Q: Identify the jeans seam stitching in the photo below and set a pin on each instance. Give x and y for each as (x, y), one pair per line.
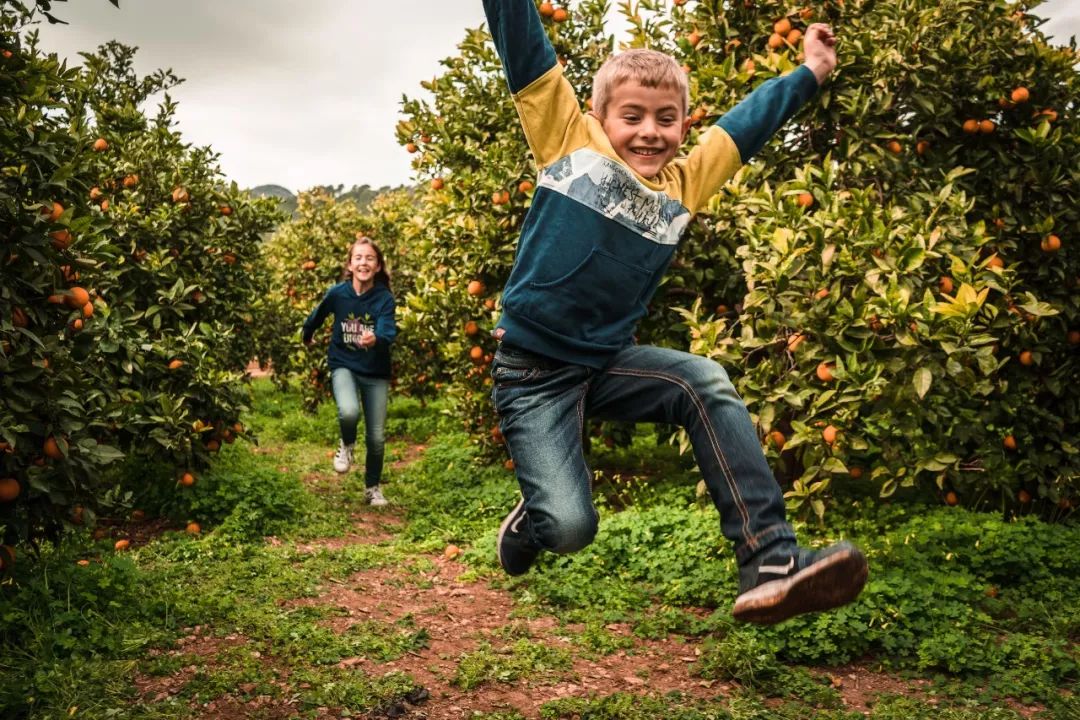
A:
(725, 469)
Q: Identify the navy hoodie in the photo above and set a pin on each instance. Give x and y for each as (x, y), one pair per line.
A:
(353, 314)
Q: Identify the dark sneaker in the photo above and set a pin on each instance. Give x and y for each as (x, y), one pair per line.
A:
(793, 581)
(516, 552)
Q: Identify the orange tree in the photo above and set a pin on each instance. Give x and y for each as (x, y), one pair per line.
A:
(893, 280)
(127, 270)
(910, 306)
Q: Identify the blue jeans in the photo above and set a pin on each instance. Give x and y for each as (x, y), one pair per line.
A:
(543, 403)
(373, 393)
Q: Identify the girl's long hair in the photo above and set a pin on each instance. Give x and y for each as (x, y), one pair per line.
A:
(383, 276)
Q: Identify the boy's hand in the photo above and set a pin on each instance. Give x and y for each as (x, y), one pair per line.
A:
(819, 45)
(367, 339)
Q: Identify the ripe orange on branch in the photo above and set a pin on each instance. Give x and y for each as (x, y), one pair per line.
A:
(1050, 244)
(824, 371)
(9, 489)
(475, 288)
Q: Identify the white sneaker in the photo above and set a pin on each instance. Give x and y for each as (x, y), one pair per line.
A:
(375, 497)
(343, 458)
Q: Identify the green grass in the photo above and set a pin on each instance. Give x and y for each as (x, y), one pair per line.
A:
(985, 608)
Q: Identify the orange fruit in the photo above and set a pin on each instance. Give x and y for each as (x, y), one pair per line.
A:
(82, 563)
(56, 299)
(1073, 337)
(9, 489)
(490, 304)
(1020, 95)
(77, 297)
(193, 528)
(471, 328)
(806, 13)
(225, 210)
(176, 364)
(987, 126)
(475, 288)
(829, 434)
(1024, 497)
(88, 310)
(946, 284)
(19, 318)
(51, 448)
(995, 262)
(309, 265)
(560, 15)
(1026, 358)
(971, 126)
(748, 66)
(794, 341)
(1009, 442)
(496, 434)
(525, 186)
(782, 26)
(509, 464)
(476, 354)
(1048, 113)
(951, 498)
(547, 9)
(805, 199)
(1050, 244)
(855, 472)
(213, 445)
(777, 439)
(776, 41)
(824, 371)
(100, 145)
(52, 212)
(437, 183)
(694, 37)
(77, 324)
(921, 147)
(451, 552)
(121, 545)
(180, 195)
(95, 194)
(187, 479)
(895, 147)
(61, 239)
(411, 147)
(794, 37)
(130, 181)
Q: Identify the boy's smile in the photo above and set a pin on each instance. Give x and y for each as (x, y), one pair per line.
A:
(646, 125)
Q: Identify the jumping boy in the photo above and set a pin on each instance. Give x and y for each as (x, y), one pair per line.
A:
(610, 205)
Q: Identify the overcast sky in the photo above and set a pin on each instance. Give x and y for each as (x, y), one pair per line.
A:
(305, 93)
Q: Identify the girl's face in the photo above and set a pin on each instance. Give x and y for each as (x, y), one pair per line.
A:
(364, 263)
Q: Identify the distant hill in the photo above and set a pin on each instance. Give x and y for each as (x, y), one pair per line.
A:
(288, 200)
(362, 195)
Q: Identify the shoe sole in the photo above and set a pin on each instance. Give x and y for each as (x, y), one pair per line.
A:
(506, 523)
(828, 583)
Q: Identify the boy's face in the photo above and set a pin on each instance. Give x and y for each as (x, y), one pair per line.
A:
(646, 125)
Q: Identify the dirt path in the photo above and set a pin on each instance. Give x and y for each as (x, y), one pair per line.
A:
(461, 617)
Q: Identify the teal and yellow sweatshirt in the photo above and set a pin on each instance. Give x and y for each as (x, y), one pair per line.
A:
(354, 313)
(598, 237)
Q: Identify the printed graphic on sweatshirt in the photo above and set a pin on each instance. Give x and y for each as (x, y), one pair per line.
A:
(352, 328)
(609, 188)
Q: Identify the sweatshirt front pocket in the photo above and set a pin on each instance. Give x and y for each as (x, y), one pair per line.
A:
(597, 301)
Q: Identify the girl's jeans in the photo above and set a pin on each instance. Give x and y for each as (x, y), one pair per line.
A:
(373, 393)
(543, 403)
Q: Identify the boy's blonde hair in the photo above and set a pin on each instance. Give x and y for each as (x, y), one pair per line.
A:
(650, 68)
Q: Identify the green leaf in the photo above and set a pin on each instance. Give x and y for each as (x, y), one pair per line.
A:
(923, 378)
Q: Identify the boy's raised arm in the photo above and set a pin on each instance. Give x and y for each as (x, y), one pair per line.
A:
(520, 41)
(754, 120)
